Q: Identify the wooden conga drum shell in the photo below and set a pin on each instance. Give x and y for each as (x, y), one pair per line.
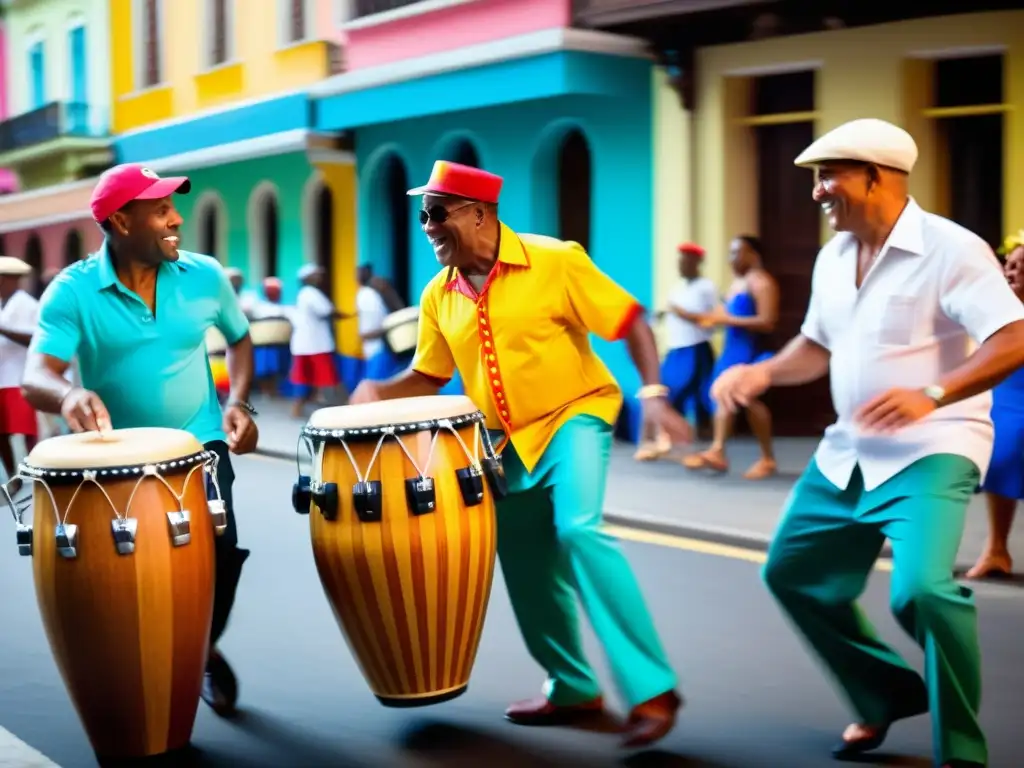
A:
(410, 592)
(129, 633)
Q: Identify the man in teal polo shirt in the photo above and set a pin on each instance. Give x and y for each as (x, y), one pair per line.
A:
(136, 315)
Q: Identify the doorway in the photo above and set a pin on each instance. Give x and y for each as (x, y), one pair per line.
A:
(574, 189)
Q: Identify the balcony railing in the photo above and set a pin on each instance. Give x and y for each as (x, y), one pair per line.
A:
(363, 8)
(55, 120)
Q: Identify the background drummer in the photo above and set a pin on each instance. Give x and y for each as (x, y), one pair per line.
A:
(381, 362)
(19, 313)
(136, 313)
(537, 380)
(314, 371)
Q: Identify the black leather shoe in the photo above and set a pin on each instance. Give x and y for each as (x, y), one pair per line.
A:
(220, 686)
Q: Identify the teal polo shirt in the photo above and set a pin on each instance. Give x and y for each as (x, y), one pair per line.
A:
(150, 369)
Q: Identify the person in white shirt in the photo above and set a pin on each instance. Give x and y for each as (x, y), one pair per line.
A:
(896, 299)
(312, 345)
(686, 369)
(19, 316)
(380, 362)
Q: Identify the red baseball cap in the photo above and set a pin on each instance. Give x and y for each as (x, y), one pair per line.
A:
(692, 248)
(121, 184)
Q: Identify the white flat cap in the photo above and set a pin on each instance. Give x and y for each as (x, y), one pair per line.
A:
(867, 141)
(309, 269)
(12, 267)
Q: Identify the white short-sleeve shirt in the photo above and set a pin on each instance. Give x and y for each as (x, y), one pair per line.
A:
(372, 310)
(19, 313)
(699, 296)
(934, 288)
(312, 323)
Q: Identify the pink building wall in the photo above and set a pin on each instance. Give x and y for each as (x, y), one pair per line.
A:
(8, 183)
(450, 28)
(52, 239)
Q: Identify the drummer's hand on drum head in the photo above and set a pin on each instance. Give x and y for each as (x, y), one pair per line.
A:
(241, 430)
(84, 411)
(365, 392)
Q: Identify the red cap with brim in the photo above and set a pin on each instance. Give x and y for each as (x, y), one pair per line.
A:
(454, 180)
(122, 184)
(692, 248)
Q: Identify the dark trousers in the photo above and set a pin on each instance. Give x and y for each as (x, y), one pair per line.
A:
(229, 558)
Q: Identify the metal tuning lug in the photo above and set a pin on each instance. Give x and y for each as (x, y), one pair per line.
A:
(325, 496)
(494, 471)
(368, 500)
(67, 541)
(421, 495)
(218, 515)
(124, 534)
(471, 484)
(301, 495)
(24, 534)
(181, 527)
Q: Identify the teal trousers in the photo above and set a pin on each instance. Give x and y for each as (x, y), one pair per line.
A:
(818, 564)
(551, 549)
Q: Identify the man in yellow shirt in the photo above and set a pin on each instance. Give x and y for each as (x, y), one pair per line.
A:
(513, 313)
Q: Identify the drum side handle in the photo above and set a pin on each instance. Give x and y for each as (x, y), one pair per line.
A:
(23, 530)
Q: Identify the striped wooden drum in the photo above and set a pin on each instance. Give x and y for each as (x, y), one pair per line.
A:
(122, 542)
(404, 536)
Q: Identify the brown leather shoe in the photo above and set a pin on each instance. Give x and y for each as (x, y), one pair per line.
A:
(652, 719)
(540, 711)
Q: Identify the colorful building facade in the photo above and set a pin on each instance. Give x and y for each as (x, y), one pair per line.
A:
(563, 115)
(730, 117)
(56, 131)
(228, 107)
(8, 181)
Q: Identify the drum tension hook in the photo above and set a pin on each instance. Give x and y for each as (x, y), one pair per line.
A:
(67, 541)
(181, 527)
(368, 499)
(124, 530)
(420, 495)
(325, 496)
(218, 515)
(471, 485)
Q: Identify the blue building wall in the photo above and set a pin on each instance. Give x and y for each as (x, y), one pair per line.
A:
(607, 98)
(247, 121)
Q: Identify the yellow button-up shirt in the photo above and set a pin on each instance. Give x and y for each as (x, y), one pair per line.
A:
(522, 344)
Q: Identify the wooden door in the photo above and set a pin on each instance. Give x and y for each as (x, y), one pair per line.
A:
(789, 229)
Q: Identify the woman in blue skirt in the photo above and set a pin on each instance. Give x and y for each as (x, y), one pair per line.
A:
(1004, 483)
(751, 311)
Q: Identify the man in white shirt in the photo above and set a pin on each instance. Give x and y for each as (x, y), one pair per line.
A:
(19, 315)
(687, 367)
(896, 298)
(312, 345)
(372, 310)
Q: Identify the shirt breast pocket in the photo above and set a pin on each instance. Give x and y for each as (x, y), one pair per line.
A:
(898, 321)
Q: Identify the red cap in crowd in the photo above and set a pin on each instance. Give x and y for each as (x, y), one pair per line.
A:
(693, 249)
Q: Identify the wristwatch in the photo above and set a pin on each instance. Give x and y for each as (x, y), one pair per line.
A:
(244, 406)
(935, 393)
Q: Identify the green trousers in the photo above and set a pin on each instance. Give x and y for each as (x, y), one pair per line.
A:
(818, 564)
(551, 549)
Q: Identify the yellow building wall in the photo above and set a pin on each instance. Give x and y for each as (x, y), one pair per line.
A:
(881, 71)
(673, 205)
(341, 180)
(260, 66)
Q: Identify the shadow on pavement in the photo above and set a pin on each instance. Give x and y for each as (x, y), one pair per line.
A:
(448, 744)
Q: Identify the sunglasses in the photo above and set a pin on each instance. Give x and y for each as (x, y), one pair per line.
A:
(439, 214)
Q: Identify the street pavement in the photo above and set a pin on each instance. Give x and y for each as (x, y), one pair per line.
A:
(754, 696)
(664, 496)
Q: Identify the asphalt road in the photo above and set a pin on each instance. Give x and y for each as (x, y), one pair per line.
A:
(755, 699)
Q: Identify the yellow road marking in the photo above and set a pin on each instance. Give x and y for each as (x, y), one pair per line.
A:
(703, 547)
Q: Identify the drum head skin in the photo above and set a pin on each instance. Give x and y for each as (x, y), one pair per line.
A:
(404, 410)
(120, 448)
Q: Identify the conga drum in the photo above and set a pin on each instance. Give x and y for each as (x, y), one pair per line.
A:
(401, 329)
(270, 332)
(402, 521)
(122, 541)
